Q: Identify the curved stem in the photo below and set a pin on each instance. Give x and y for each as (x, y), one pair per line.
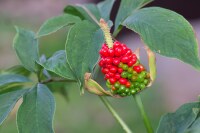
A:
(146, 120)
(116, 32)
(115, 115)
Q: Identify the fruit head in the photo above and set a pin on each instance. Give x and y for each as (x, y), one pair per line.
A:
(124, 74)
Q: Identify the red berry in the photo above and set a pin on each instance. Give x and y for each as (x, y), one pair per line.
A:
(118, 51)
(113, 69)
(109, 60)
(116, 44)
(104, 46)
(112, 80)
(134, 60)
(117, 76)
(124, 59)
(113, 88)
(122, 81)
(137, 69)
(101, 63)
(120, 70)
(116, 61)
(124, 48)
(108, 66)
(128, 84)
(130, 63)
(104, 53)
(105, 70)
(107, 76)
(128, 52)
(111, 52)
(141, 67)
(134, 56)
(111, 74)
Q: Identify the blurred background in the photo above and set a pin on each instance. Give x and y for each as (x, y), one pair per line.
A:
(177, 83)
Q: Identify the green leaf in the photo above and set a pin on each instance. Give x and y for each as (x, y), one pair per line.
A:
(105, 8)
(59, 65)
(181, 120)
(26, 47)
(193, 130)
(127, 7)
(77, 11)
(101, 10)
(8, 101)
(54, 24)
(195, 127)
(17, 70)
(82, 47)
(93, 9)
(12, 78)
(166, 33)
(35, 115)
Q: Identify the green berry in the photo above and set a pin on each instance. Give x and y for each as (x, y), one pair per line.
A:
(108, 81)
(120, 65)
(123, 94)
(108, 85)
(125, 67)
(143, 73)
(132, 86)
(130, 76)
(124, 74)
(121, 89)
(117, 85)
(140, 79)
(132, 91)
(141, 76)
(142, 86)
(133, 78)
(126, 90)
(146, 81)
(136, 84)
(129, 93)
(134, 73)
(130, 70)
(137, 89)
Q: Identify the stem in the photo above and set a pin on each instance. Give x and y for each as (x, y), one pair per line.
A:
(39, 75)
(146, 120)
(116, 32)
(115, 115)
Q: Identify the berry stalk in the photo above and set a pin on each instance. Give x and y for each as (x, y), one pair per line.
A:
(146, 120)
(116, 116)
(104, 26)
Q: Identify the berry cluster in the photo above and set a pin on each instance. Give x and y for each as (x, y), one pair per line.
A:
(124, 74)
